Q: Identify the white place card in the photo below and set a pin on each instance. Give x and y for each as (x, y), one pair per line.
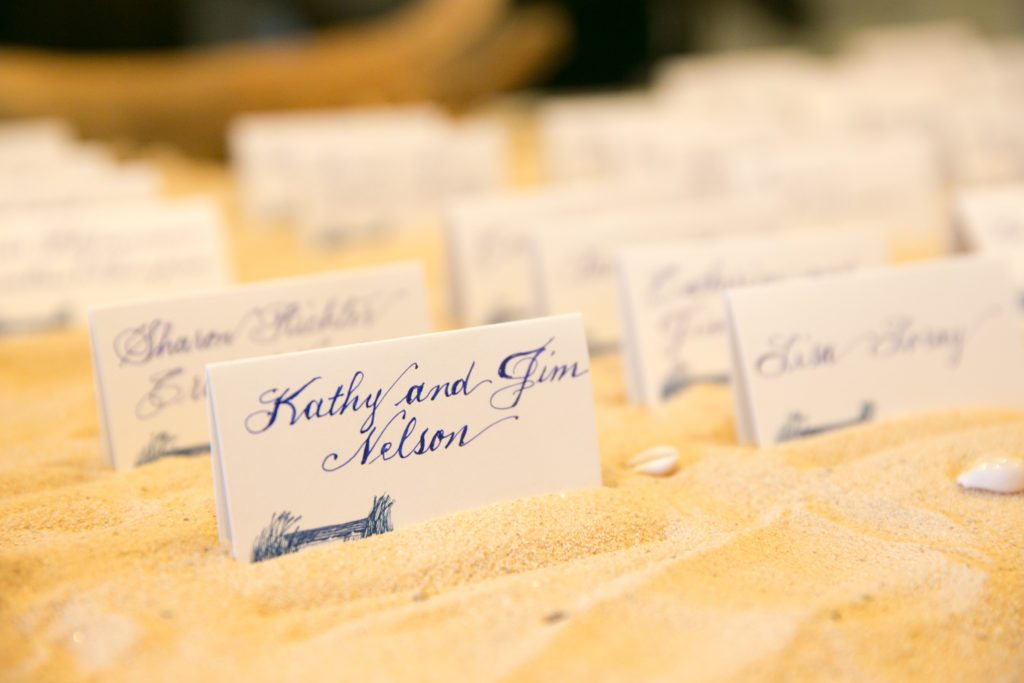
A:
(574, 257)
(339, 175)
(56, 262)
(671, 297)
(488, 241)
(33, 138)
(76, 182)
(274, 153)
(353, 441)
(991, 220)
(813, 355)
(149, 356)
(386, 184)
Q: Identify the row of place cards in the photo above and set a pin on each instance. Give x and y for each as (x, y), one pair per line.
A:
(149, 356)
(58, 260)
(331, 415)
(671, 297)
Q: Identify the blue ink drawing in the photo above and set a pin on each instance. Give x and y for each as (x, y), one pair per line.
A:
(283, 535)
(796, 425)
(161, 445)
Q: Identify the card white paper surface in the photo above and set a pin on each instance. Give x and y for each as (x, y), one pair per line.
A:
(671, 295)
(54, 263)
(489, 257)
(79, 181)
(574, 259)
(149, 356)
(838, 350)
(991, 220)
(350, 441)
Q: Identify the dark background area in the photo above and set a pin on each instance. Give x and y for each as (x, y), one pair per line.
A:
(615, 41)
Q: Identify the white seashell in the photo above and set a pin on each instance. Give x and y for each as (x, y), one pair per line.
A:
(656, 462)
(1002, 475)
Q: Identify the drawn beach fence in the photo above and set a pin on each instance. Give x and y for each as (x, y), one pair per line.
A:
(162, 445)
(283, 535)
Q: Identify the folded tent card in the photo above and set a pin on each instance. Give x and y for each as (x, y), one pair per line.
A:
(573, 257)
(837, 350)
(42, 164)
(32, 138)
(378, 185)
(674, 322)
(489, 257)
(990, 220)
(352, 441)
(149, 355)
(340, 175)
(57, 261)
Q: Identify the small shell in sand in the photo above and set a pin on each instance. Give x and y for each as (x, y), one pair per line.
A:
(659, 461)
(1002, 475)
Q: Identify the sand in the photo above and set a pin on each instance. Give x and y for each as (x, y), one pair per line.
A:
(851, 556)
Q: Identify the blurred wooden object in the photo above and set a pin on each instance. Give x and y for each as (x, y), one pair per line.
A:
(452, 51)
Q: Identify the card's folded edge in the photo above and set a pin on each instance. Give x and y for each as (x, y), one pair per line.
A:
(418, 280)
(630, 345)
(737, 377)
(101, 400)
(456, 288)
(219, 494)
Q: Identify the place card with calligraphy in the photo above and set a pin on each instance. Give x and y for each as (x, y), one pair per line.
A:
(58, 261)
(348, 442)
(674, 325)
(813, 355)
(990, 220)
(149, 355)
(574, 257)
(488, 239)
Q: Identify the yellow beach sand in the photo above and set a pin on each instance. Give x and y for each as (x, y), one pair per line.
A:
(852, 556)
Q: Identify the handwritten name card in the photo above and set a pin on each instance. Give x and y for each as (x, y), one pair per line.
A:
(79, 182)
(56, 262)
(341, 175)
(34, 138)
(488, 235)
(817, 354)
(671, 296)
(991, 220)
(574, 259)
(274, 153)
(348, 442)
(149, 356)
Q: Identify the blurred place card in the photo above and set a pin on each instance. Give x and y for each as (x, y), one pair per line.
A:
(814, 355)
(348, 442)
(77, 180)
(81, 159)
(273, 153)
(380, 188)
(30, 138)
(574, 258)
(342, 175)
(675, 328)
(991, 220)
(893, 181)
(492, 279)
(148, 356)
(56, 262)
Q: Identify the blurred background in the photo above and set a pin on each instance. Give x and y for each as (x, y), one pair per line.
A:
(177, 71)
